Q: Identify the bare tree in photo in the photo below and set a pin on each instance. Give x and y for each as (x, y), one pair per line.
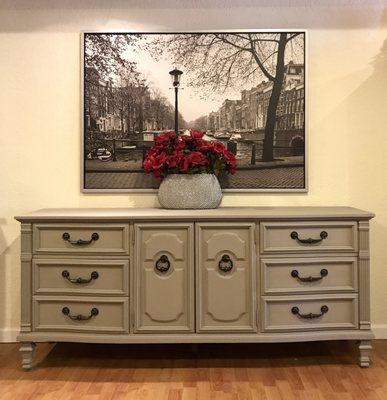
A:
(104, 52)
(220, 61)
(200, 123)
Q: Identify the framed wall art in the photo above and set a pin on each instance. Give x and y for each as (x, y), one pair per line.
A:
(244, 88)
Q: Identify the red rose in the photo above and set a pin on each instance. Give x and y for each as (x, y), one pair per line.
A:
(180, 145)
(148, 163)
(230, 161)
(197, 159)
(174, 159)
(166, 138)
(184, 164)
(195, 134)
(218, 147)
(187, 138)
(203, 145)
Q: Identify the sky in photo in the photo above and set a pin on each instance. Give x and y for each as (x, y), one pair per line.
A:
(191, 105)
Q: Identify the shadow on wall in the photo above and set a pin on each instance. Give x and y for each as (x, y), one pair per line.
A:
(75, 15)
(366, 111)
(366, 120)
(354, 133)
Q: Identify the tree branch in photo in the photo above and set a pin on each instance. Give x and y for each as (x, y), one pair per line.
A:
(217, 62)
(105, 52)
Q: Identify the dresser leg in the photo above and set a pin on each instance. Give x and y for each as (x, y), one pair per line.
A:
(27, 350)
(365, 349)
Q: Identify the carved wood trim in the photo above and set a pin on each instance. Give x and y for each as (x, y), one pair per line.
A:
(26, 278)
(364, 276)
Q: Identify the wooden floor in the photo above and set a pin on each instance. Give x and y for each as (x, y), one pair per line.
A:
(302, 371)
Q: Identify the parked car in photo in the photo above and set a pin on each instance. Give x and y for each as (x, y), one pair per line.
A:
(101, 154)
(236, 136)
(222, 135)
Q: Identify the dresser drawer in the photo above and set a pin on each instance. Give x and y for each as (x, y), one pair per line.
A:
(80, 314)
(81, 277)
(81, 239)
(312, 312)
(305, 237)
(308, 275)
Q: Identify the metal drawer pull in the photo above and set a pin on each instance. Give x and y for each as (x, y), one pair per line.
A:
(225, 263)
(93, 275)
(163, 264)
(80, 242)
(93, 313)
(296, 275)
(323, 235)
(296, 311)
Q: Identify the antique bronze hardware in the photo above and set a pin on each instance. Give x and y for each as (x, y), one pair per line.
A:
(225, 263)
(93, 275)
(323, 235)
(163, 264)
(296, 311)
(295, 274)
(80, 242)
(93, 313)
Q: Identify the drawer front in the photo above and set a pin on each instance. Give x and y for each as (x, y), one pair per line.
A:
(164, 280)
(304, 237)
(81, 239)
(225, 265)
(308, 275)
(80, 314)
(312, 312)
(81, 277)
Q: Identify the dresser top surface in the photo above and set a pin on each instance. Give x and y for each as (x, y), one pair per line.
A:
(223, 213)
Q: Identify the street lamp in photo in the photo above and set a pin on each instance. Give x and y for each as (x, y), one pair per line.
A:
(175, 76)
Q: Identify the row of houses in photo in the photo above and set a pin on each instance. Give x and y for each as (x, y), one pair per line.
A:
(125, 109)
(250, 111)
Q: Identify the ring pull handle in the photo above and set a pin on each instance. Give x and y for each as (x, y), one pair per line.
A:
(295, 274)
(80, 242)
(225, 263)
(163, 264)
(93, 313)
(323, 235)
(66, 275)
(296, 311)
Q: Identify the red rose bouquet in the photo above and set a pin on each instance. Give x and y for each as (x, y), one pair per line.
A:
(188, 154)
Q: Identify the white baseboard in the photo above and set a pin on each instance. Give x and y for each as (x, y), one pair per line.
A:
(380, 331)
(8, 335)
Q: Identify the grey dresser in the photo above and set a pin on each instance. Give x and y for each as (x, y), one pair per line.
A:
(137, 275)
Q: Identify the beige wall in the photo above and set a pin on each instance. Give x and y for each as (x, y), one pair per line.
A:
(40, 112)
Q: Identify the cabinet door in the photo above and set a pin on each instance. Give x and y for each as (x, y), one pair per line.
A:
(225, 265)
(164, 299)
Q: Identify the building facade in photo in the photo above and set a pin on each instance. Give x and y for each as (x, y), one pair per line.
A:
(249, 113)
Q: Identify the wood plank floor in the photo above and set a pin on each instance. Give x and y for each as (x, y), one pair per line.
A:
(301, 371)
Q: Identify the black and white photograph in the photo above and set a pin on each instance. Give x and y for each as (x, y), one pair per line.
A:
(245, 89)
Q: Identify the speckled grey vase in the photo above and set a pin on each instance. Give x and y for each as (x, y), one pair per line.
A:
(190, 191)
